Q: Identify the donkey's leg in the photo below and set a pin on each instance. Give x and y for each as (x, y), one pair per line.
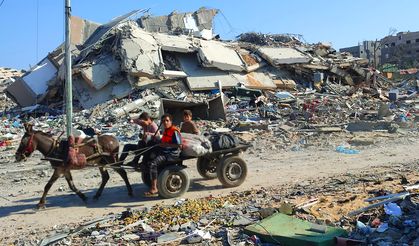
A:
(122, 173)
(51, 181)
(70, 182)
(105, 178)
(124, 176)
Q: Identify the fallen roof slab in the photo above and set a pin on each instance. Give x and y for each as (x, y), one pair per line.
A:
(98, 75)
(217, 54)
(181, 44)
(89, 97)
(29, 89)
(282, 55)
(206, 79)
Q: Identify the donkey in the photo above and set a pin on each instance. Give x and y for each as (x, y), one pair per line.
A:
(56, 151)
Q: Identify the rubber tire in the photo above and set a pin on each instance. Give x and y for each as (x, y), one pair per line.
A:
(223, 167)
(163, 178)
(145, 177)
(202, 165)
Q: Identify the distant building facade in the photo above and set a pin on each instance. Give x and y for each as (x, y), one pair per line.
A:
(370, 50)
(401, 49)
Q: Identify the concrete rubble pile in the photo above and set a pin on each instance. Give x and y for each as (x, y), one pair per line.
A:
(296, 93)
(113, 60)
(7, 77)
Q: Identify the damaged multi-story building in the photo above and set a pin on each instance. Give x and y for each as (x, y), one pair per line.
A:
(113, 60)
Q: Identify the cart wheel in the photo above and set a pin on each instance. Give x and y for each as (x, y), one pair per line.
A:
(145, 177)
(232, 171)
(207, 167)
(172, 182)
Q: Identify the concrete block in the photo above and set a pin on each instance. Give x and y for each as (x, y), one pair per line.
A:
(100, 74)
(218, 55)
(283, 55)
(139, 53)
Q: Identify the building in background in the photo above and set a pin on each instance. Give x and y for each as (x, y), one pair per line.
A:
(401, 49)
(370, 50)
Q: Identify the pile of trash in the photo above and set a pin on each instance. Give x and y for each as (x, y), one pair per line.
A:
(332, 210)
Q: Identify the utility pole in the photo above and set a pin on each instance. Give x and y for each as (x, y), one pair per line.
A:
(68, 71)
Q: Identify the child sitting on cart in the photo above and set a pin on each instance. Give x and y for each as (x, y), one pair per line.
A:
(148, 138)
(168, 149)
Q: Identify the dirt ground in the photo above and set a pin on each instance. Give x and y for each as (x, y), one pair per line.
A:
(21, 184)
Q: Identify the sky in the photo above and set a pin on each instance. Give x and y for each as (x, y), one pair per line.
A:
(29, 29)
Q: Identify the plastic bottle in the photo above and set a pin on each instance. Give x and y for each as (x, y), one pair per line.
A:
(342, 149)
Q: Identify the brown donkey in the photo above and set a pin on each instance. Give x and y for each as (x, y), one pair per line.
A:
(98, 152)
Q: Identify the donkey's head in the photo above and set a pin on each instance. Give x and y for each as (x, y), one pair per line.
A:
(27, 144)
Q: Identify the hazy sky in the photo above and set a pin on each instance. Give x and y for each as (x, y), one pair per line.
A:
(26, 38)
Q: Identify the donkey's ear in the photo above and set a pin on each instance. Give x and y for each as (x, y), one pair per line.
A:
(28, 127)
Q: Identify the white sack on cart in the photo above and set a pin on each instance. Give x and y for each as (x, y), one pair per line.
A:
(195, 145)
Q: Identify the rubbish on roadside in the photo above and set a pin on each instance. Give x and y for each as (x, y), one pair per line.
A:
(286, 208)
(345, 150)
(283, 229)
(403, 194)
(168, 237)
(393, 199)
(382, 227)
(392, 209)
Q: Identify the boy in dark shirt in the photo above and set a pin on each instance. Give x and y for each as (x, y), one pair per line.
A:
(188, 126)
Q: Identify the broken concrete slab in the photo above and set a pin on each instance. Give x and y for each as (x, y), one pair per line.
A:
(139, 52)
(348, 79)
(29, 89)
(181, 44)
(257, 80)
(218, 55)
(204, 79)
(282, 55)
(198, 23)
(251, 61)
(154, 23)
(99, 74)
(89, 97)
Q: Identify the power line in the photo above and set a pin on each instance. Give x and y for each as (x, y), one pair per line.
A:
(2, 3)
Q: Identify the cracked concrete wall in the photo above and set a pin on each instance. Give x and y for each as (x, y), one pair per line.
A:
(199, 22)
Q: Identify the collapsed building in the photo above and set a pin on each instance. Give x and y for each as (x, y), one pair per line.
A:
(114, 60)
